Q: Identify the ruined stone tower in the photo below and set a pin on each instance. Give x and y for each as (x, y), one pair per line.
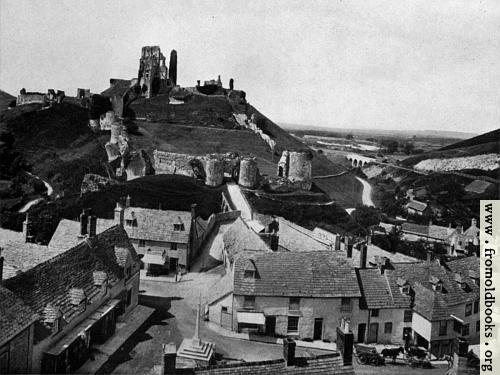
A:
(152, 77)
(214, 169)
(296, 166)
(248, 173)
(173, 67)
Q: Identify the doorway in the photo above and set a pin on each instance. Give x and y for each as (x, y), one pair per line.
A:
(372, 333)
(361, 332)
(173, 264)
(270, 325)
(318, 329)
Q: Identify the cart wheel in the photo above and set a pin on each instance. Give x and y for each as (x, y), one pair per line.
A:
(363, 359)
(374, 361)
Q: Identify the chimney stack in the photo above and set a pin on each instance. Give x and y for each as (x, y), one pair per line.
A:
(83, 224)
(337, 243)
(93, 226)
(349, 250)
(275, 239)
(169, 358)
(127, 201)
(289, 351)
(362, 256)
(119, 214)
(345, 342)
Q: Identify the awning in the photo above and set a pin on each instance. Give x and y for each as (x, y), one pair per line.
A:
(153, 259)
(251, 318)
(81, 329)
(457, 319)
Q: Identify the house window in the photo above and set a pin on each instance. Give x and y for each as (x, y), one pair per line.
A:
(406, 289)
(346, 304)
(443, 327)
(294, 303)
(465, 330)
(249, 302)
(374, 313)
(478, 325)
(173, 246)
(293, 324)
(142, 243)
(476, 307)
(224, 309)
(468, 309)
(388, 328)
(249, 274)
(178, 227)
(438, 287)
(408, 316)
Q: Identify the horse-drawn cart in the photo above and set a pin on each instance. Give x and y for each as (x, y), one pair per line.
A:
(368, 355)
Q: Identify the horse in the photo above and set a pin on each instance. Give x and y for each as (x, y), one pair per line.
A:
(392, 353)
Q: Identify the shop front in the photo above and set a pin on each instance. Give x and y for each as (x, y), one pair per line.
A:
(73, 350)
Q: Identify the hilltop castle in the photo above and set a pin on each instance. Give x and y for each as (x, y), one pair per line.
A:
(154, 77)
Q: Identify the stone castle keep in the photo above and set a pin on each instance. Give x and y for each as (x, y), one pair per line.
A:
(154, 77)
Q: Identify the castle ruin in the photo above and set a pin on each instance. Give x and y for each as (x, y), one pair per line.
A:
(296, 166)
(154, 77)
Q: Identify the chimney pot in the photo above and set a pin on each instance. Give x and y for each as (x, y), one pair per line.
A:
(93, 226)
(83, 223)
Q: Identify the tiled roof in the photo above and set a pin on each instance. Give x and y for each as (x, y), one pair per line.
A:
(434, 305)
(67, 231)
(293, 237)
(158, 225)
(330, 364)
(239, 237)
(20, 256)
(416, 205)
(50, 283)
(380, 291)
(304, 274)
(7, 235)
(433, 231)
(14, 315)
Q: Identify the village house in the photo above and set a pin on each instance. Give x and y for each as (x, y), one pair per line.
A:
(169, 240)
(414, 207)
(388, 304)
(445, 301)
(77, 298)
(465, 242)
(427, 233)
(299, 294)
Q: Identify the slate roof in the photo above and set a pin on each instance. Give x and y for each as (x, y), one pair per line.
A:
(432, 231)
(158, 225)
(20, 256)
(330, 364)
(15, 316)
(375, 253)
(380, 291)
(302, 274)
(49, 283)
(435, 305)
(293, 237)
(67, 231)
(239, 237)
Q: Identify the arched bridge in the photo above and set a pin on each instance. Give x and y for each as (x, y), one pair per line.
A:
(359, 160)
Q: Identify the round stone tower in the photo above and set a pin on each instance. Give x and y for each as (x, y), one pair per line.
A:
(214, 170)
(300, 166)
(248, 173)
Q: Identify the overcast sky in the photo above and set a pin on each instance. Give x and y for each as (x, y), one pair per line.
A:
(361, 64)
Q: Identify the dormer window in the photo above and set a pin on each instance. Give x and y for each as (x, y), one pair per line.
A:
(78, 298)
(438, 287)
(250, 271)
(178, 227)
(52, 317)
(460, 281)
(405, 289)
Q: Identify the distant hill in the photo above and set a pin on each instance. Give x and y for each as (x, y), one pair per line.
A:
(5, 99)
(487, 143)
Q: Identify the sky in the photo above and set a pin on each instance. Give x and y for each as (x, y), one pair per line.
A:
(398, 65)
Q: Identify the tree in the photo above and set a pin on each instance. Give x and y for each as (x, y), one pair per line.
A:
(366, 216)
(349, 136)
(391, 146)
(408, 148)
